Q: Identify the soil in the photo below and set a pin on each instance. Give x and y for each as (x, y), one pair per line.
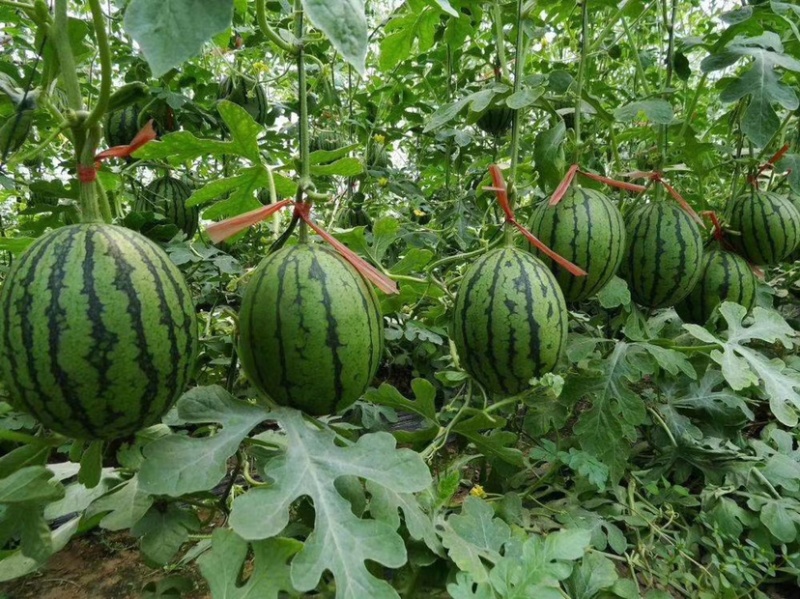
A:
(98, 566)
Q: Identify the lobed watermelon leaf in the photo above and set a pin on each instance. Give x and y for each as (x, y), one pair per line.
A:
(744, 367)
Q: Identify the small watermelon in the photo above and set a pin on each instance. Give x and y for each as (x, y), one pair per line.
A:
(509, 320)
(167, 196)
(248, 94)
(663, 256)
(768, 223)
(496, 120)
(325, 140)
(725, 277)
(311, 330)
(587, 229)
(98, 335)
(122, 125)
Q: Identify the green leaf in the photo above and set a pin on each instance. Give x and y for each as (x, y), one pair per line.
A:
(657, 111)
(126, 504)
(385, 504)
(34, 484)
(524, 97)
(384, 232)
(345, 24)
(790, 164)
(448, 112)
(614, 294)
(414, 260)
(548, 156)
(344, 167)
(15, 245)
(465, 587)
(270, 577)
(177, 464)
(183, 146)
(780, 516)
(595, 574)
(607, 429)
(340, 542)
(743, 367)
(473, 536)
(170, 32)
(91, 465)
(423, 405)
(163, 531)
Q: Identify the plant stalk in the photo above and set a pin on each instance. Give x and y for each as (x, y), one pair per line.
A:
(581, 74)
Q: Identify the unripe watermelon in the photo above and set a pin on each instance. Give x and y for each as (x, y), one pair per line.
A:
(587, 229)
(122, 125)
(98, 335)
(167, 195)
(248, 94)
(496, 120)
(663, 256)
(355, 216)
(769, 225)
(725, 277)
(325, 140)
(509, 320)
(311, 330)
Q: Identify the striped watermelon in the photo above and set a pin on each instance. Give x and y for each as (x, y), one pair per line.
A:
(496, 120)
(725, 277)
(586, 228)
(663, 255)
(509, 320)
(326, 140)
(98, 335)
(248, 94)
(122, 125)
(769, 225)
(311, 330)
(167, 196)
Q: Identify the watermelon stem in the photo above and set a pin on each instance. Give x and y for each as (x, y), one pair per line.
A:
(54, 441)
(581, 73)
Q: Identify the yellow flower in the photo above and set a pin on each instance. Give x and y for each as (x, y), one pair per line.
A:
(383, 181)
(261, 67)
(477, 491)
(379, 139)
(418, 212)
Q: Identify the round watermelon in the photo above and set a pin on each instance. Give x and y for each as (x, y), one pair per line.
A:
(768, 225)
(122, 125)
(725, 277)
(509, 320)
(98, 335)
(167, 196)
(663, 255)
(248, 94)
(496, 120)
(587, 229)
(311, 330)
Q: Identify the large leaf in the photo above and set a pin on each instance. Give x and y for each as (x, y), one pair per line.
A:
(170, 32)
(341, 542)
(345, 24)
(743, 367)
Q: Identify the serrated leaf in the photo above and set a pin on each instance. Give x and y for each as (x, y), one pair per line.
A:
(345, 24)
(170, 32)
(743, 366)
(385, 505)
(607, 429)
(474, 535)
(340, 542)
(270, 577)
(175, 465)
(595, 573)
(614, 294)
(548, 156)
(524, 97)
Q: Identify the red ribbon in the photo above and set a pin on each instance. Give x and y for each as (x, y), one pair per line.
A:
(769, 164)
(87, 174)
(657, 177)
(146, 135)
(500, 189)
(229, 227)
(562, 188)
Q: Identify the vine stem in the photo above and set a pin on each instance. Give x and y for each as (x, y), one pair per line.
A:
(24, 6)
(104, 50)
(498, 38)
(581, 74)
(669, 20)
(692, 104)
(519, 70)
(15, 437)
(61, 40)
(272, 35)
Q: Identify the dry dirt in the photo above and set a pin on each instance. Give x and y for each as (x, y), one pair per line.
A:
(97, 567)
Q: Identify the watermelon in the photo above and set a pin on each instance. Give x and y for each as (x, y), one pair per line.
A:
(122, 125)
(725, 277)
(496, 120)
(355, 216)
(663, 255)
(248, 94)
(509, 320)
(325, 140)
(769, 224)
(98, 335)
(586, 228)
(167, 196)
(311, 330)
